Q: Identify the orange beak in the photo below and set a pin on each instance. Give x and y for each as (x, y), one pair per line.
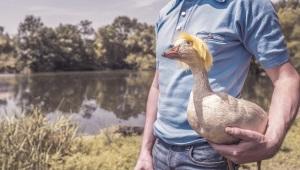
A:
(172, 52)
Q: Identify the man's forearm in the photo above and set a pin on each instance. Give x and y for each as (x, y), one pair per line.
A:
(151, 111)
(284, 105)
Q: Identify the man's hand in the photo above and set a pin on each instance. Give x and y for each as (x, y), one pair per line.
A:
(144, 162)
(252, 147)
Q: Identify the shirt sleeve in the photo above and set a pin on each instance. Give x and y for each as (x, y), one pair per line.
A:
(263, 37)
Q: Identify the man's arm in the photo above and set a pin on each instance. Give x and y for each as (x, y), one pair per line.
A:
(283, 109)
(145, 157)
(285, 102)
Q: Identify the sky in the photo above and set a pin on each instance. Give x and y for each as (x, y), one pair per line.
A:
(100, 12)
(53, 12)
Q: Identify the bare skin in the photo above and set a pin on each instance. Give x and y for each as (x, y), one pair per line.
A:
(283, 110)
(144, 161)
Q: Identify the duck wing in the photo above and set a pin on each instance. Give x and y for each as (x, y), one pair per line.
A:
(226, 110)
(208, 117)
(213, 113)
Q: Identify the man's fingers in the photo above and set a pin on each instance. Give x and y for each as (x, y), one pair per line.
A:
(231, 152)
(225, 150)
(236, 152)
(246, 135)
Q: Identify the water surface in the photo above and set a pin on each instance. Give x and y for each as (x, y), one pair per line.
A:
(98, 99)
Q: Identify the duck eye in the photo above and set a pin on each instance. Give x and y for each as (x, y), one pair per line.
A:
(188, 42)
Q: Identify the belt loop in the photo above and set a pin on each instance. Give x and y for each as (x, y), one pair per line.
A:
(191, 151)
(188, 147)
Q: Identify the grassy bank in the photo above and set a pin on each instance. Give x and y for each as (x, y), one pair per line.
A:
(288, 158)
(113, 152)
(32, 143)
(118, 152)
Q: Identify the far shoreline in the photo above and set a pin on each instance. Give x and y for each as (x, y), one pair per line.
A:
(72, 72)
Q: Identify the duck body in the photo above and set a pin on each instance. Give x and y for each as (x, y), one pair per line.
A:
(218, 111)
(209, 113)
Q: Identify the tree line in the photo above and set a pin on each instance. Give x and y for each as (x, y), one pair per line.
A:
(124, 44)
(289, 16)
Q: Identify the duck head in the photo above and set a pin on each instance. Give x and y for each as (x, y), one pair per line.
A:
(190, 50)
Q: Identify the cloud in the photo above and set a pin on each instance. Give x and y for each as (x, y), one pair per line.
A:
(56, 11)
(143, 3)
(100, 12)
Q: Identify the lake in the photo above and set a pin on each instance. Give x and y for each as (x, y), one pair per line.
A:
(96, 100)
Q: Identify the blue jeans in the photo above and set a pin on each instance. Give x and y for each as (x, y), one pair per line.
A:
(200, 156)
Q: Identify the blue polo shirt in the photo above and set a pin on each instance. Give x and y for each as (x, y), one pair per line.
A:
(235, 31)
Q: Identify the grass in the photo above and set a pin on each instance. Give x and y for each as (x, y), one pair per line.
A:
(288, 158)
(31, 142)
(110, 151)
(115, 152)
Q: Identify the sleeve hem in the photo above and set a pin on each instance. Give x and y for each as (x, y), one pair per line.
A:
(274, 63)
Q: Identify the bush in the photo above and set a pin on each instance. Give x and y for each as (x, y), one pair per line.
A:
(30, 142)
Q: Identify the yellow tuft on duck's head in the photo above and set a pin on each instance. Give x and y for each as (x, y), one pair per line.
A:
(185, 46)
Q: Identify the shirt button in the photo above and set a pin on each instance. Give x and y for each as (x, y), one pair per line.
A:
(183, 14)
(178, 28)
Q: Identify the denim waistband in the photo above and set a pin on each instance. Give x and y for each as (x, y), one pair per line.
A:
(180, 147)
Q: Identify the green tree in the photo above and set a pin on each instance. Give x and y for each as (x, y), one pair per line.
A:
(112, 38)
(126, 43)
(29, 43)
(7, 52)
(70, 46)
(76, 47)
(289, 16)
(6, 44)
(141, 46)
(287, 4)
(1, 30)
(65, 48)
(88, 35)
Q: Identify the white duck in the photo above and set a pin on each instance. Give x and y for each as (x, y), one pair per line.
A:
(209, 113)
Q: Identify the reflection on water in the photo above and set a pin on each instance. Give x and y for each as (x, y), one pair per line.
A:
(91, 118)
(97, 99)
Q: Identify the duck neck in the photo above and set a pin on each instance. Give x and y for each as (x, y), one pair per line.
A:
(201, 87)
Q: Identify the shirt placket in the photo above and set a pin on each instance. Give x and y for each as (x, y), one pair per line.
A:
(186, 11)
